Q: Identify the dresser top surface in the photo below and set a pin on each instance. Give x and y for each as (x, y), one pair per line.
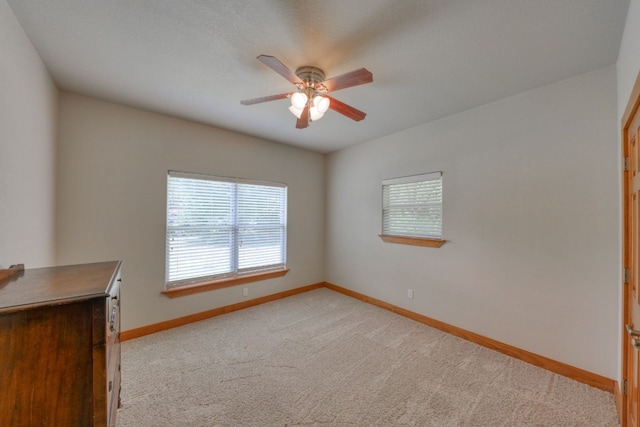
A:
(57, 285)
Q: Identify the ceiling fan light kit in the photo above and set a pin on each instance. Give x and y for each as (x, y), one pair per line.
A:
(318, 105)
(310, 102)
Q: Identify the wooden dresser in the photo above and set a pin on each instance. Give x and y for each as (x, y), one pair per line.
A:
(60, 346)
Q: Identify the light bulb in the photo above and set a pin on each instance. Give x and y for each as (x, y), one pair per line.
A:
(321, 103)
(299, 100)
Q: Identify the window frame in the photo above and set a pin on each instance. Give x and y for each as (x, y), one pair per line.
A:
(434, 241)
(235, 275)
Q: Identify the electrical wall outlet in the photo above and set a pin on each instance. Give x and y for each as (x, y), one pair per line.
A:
(245, 292)
(410, 293)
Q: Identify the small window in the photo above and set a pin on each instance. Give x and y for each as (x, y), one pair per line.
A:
(412, 206)
(221, 228)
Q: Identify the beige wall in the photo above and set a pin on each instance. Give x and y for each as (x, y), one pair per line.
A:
(112, 167)
(27, 149)
(531, 215)
(627, 69)
(628, 65)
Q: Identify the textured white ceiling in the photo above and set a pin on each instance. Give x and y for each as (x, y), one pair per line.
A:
(196, 59)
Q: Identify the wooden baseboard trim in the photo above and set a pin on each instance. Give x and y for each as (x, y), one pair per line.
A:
(586, 377)
(181, 321)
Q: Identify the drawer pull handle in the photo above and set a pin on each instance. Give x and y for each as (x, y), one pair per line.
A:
(112, 321)
(110, 385)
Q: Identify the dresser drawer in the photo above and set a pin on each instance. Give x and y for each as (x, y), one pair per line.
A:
(113, 314)
(112, 349)
(113, 384)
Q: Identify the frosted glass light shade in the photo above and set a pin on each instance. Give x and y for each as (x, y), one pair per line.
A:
(321, 103)
(296, 111)
(299, 100)
(315, 114)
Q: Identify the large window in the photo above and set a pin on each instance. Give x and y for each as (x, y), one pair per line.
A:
(223, 227)
(412, 206)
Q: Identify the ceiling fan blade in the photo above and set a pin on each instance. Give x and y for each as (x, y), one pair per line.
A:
(346, 110)
(353, 78)
(303, 121)
(277, 66)
(264, 99)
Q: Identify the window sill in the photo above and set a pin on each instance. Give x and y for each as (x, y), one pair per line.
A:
(224, 283)
(415, 241)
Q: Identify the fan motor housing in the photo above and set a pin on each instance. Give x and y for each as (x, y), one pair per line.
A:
(310, 75)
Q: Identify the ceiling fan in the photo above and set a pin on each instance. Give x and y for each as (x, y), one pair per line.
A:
(310, 101)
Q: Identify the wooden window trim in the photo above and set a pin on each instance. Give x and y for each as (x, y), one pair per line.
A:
(414, 241)
(222, 283)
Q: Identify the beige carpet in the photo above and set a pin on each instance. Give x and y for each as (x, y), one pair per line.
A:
(324, 359)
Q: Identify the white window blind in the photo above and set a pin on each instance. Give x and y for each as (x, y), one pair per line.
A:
(223, 227)
(412, 206)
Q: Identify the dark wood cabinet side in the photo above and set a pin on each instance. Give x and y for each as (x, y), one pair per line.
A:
(54, 354)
